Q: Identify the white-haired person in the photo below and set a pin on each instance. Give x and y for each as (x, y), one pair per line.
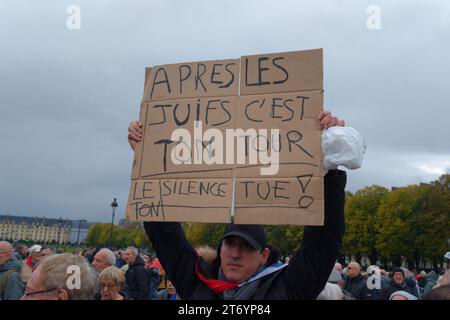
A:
(338, 267)
(30, 263)
(11, 285)
(103, 259)
(62, 277)
(332, 289)
(111, 282)
(402, 295)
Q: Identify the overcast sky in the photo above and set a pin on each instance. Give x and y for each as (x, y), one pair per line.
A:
(67, 96)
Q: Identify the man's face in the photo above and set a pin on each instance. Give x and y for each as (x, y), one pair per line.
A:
(5, 255)
(170, 288)
(239, 260)
(46, 252)
(446, 278)
(24, 250)
(398, 278)
(100, 261)
(36, 256)
(353, 270)
(129, 256)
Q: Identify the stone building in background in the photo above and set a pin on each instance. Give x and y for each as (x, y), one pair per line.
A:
(35, 229)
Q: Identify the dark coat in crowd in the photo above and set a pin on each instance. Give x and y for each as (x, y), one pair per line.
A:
(137, 280)
(356, 286)
(11, 285)
(164, 295)
(304, 277)
(120, 262)
(431, 282)
(404, 286)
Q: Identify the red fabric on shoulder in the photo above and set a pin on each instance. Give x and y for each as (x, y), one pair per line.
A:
(217, 286)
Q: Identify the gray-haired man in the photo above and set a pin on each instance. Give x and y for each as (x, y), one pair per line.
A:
(11, 285)
(136, 278)
(103, 259)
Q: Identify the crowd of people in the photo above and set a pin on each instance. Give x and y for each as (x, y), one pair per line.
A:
(374, 283)
(244, 266)
(41, 273)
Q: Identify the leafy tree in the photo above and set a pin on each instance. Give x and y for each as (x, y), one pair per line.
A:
(140, 239)
(99, 234)
(433, 221)
(410, 222)
(93, 234)
(293, 239)
(397, 224)
(200, 234)
(285, 238)
(361, 216)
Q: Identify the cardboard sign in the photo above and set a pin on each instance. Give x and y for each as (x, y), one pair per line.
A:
(232, 137)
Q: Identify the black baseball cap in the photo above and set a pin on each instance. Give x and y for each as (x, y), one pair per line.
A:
(398, 269)
(252, 233)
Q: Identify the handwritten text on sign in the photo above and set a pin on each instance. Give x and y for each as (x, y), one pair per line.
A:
(206, 148)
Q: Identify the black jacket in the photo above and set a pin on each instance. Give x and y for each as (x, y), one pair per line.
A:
(304, 278)
(137, 280)
(392, 287)
(356, 286)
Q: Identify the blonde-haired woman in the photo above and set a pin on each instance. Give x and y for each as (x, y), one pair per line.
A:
(111, 281)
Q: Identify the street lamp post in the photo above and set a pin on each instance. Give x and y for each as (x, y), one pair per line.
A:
(78, 235)
(79, 228)
(114, 206)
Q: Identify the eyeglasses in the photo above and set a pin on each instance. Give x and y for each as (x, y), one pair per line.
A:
(28, 294)
(108, 285)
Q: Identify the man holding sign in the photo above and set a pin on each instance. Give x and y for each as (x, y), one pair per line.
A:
(246, 268)
(275, 178)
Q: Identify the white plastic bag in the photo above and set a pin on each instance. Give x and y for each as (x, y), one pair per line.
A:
(342, 146)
